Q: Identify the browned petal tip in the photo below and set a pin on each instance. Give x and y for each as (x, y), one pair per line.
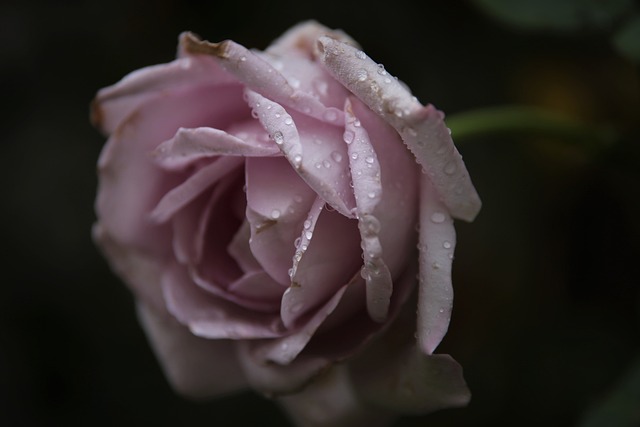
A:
(194, 45)
(96, 115)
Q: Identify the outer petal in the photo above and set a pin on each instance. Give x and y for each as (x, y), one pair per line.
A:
(437, 243)
(195, 367)
(394, 373)
(303, 38)
(314, 149)
(115, 103)
(260, 76)
(273, 379)
(422, 128)
(365, 170)
(331, 402)
(190, 145)
(277, 203)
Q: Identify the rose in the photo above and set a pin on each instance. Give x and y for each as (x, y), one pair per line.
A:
(263, 208)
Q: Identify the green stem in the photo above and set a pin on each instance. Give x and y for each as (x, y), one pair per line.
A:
(528, 122)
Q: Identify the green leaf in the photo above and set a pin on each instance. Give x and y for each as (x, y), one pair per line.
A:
(622, 407)
(562, 15)
(627, 39)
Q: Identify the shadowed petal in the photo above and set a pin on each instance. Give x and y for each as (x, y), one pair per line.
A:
(422, 128)
(329, 401)
(240, 250)
(187, 359)
(303, 38)
(437, 244)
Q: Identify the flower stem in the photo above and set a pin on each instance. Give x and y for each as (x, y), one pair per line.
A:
(529, 122)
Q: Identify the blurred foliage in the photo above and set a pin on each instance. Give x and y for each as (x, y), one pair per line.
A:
(547, 312)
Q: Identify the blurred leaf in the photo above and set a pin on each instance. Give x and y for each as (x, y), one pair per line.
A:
(627, 39)
(564, 15)
(622, 407)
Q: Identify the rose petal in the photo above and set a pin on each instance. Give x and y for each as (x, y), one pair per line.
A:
(260, 76)
(273, 379)
(422, 128)
(190, 145)
(302, 243)
(412, 382)
(195, 185)
(277, 202)
(257, 291)
(140, 270)
(303, 37)
(314, 149)
(437, 243)
(240, 249)
(208, 316)
(187, 359)
(367, 188)
(115, 103)
(324, 267)
(329, 401)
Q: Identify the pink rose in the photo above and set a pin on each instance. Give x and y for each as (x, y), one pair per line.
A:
(263, 207)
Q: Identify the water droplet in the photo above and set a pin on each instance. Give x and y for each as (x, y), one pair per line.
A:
(254, 114)
(294, 83)
(360, 54)
(354, 156)
(446, 244)
(438, 217)
(361, 75)
(336, 156)
(278, 115)
(330, 115)
(318, 165)
(450, 168)
(307, 224)
(326, 164)
(449, 130)
(381, 70)
(348, 136)
(370, 225)
(296, 242)
(412, 132)
(269, 106)
(291, 272)
(308, 234)
(436, 266)
(356, 123)
(369, 159)
(297, 160)
(243, 58)
(321, 86)
(275, 214)
(371, 195)
(441, 310)
(288, 121)
(278, 137)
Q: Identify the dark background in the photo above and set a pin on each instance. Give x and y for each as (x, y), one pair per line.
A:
(546, 321)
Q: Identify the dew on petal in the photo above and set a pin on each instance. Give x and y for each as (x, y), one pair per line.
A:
(360, 54)
(361, 75)
(275, 214)
(348, 136)
(326, 164)
(438, 217)
(336, 156)
(450, 168)
(278, 137)
(288, 121)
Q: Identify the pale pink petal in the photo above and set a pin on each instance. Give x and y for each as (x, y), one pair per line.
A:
(208, 316)
(195, 367)
(191, 145)
(302, 243)
(277, 204)
(122, 207)
(329, 401)
(422, 128)
(240, 249)
(330, 261)
(272, 379)
(195, 185)
(284, 350)
(115, 103)
(367, 187)
(437, 243)
(315, 150)
(256, 290)
(302, 38)
(245, 65)
(141, 271)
